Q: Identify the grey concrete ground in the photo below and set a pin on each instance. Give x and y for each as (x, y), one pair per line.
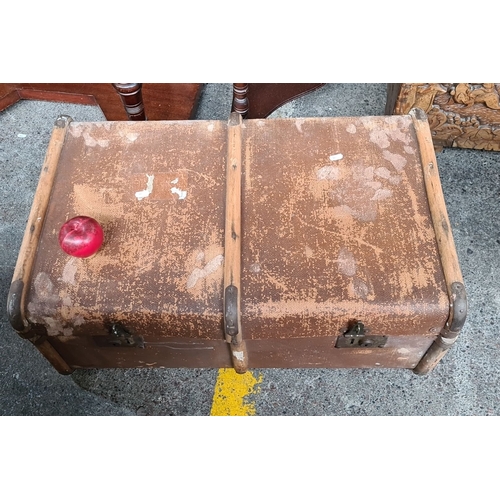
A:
(464, 383)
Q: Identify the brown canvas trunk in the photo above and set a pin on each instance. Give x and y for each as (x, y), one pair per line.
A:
(314, 242)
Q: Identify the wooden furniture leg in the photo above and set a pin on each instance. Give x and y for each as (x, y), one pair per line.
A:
(131, 96)
(259, 100)
(240, 99)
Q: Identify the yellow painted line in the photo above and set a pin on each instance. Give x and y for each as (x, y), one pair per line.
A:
(233, 393)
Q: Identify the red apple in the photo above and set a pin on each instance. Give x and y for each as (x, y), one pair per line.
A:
(81, 236)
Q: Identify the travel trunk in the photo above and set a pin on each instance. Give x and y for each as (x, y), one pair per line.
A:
(280, 243)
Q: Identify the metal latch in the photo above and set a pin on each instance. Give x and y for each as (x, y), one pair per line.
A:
(231, 311)
(119, 337)
(355, 335)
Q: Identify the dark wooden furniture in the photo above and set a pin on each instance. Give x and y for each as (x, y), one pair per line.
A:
(461, 115)
(121, 101)
(259, 100)
(155, 101)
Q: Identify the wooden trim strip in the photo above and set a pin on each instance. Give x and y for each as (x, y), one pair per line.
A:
(232, 235)
(27, 252)
(232, 246)
(437, 205)
(446, 247)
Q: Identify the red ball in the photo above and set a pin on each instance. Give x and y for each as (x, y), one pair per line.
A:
(81, 236)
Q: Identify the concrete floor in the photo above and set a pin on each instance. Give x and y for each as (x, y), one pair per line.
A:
(464, 383)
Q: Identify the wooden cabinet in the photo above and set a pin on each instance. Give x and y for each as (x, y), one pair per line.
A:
(155, 101)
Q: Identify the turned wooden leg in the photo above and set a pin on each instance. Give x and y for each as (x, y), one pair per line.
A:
(240, 99)
(131, 96)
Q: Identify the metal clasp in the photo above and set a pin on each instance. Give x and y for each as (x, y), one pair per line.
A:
(120, 337)
(231, 311)
(355, 335)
